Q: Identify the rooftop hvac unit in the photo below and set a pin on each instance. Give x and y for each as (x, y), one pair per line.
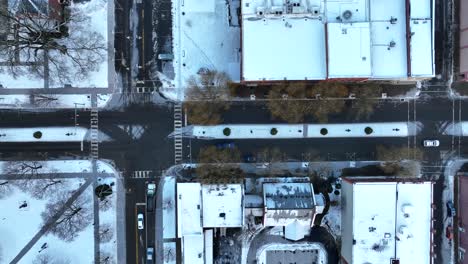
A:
(276, 10)
(298, 9)
(315, 10)
(260, 11)
(347, 15)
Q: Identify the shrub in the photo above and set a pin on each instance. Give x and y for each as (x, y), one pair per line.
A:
(274, 131)
(323, 131)
(227, 131)
(37, 134)
(368, 130)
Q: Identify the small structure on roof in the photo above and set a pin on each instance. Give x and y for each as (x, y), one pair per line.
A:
(286, 202)
(386, 221)
(223, 205)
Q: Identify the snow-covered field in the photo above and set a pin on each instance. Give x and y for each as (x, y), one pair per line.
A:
(27, 204)
(59, 166)
(332, 220)
(202, 39)
(97, 12)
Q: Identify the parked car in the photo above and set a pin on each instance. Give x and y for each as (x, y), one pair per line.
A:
(449, 232)
(250, 158)
(140, 221)
(450, 209)
(149, 255)
(431, 143)
(226, 145)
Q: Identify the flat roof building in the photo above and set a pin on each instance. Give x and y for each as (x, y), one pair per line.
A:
(464, 39)
(223, 205)
(386, 220)
(188, 209)
(323, 39)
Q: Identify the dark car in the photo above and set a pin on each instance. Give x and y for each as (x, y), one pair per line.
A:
(226, 145)
(250, 158)
(449, 232)
(450, 209)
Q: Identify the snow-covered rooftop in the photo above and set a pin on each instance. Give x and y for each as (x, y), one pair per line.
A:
(193, 248)
(349, 50)
(363, 39)
(390, 220)
(223, 205)
(289, 48)
(188, 209)
(288, 195)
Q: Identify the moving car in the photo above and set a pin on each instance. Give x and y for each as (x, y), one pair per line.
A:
(149, 255)
(226, 145)
(450, 209)
(431, 143)
(140, 221)
(249, 158)
(449, 232)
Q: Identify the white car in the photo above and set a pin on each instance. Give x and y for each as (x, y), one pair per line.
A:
(140, 221)
(431, 143)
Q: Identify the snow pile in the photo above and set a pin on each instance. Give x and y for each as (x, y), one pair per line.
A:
(332, 220)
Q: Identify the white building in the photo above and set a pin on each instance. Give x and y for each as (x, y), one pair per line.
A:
(339, 39)
(223, 205)
(386, 221)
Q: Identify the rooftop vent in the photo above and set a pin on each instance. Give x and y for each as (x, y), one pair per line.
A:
(347, 15)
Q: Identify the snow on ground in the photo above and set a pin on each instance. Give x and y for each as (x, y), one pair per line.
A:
(97, 11)
(18, 226)
(107, 218)
(202, 39)
(62, 166)
(49, 134)
(391, 129)
(457, 129)
(306, 247)
(169, 253)
(134, 131)
(169, 217)
(332, 220)
(78, 101)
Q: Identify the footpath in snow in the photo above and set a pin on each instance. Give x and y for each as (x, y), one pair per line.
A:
(286, 131)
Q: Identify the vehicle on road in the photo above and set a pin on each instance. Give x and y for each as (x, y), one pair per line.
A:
(140, 221)
(431, 143)
(249, 158)
(224, 145)
(150, 191)
(149, 255)
(449, 232)
(450, 209)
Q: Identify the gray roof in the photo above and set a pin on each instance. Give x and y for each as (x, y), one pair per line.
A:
(288, 196)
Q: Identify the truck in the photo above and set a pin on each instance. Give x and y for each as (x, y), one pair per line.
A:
(150, 192)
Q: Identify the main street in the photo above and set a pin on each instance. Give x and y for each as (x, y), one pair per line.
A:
(142, 158)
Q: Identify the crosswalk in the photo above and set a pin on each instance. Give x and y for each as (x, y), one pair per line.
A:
(178, 155)
(94, 133)
(142, 174)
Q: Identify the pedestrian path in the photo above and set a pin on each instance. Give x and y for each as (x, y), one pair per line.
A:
(142, 174)
(94, 133)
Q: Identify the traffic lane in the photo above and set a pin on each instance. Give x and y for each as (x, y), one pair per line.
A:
(150, 218)
(298, 149)
(140, 208)
(135, 203)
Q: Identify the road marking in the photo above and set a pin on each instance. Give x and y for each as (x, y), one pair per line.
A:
(142, 174)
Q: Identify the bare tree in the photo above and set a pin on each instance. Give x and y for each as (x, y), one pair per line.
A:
(6, 188)
(77, 216)
(206, 97)
(106, 233)
(39, 99)
(43, 188)
(219, 165)
(366, 101)
(399, 160)
(28, 169)
(44, 258)
(106, 258)
(105, 203)
(168, 204)
(47, 48)
(169, 254)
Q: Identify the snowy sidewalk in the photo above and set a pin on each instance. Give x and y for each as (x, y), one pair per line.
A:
(43, 134)
(288, 131)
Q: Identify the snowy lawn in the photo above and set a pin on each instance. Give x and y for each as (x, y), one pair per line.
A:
(202, 39)
(332, 220)
(54, 166)
(62, 101)
(27, 204)
(169, 216)
(97, 12)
